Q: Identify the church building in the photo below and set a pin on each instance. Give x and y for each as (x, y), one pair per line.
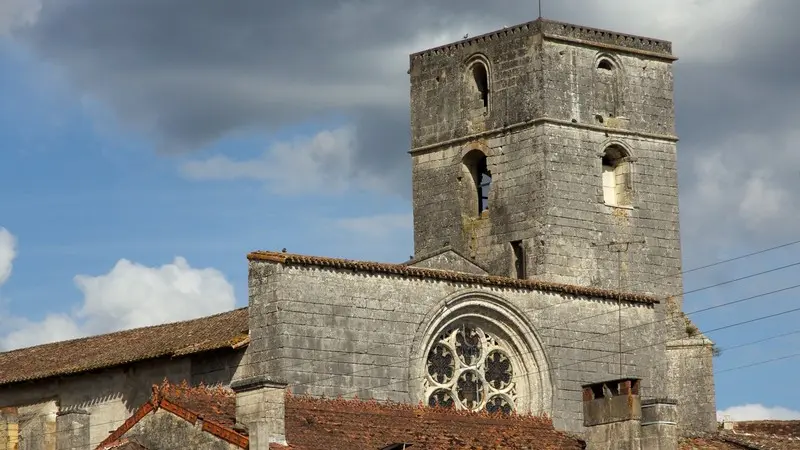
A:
(545, 286)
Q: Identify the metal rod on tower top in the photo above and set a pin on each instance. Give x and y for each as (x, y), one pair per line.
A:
(540, 9)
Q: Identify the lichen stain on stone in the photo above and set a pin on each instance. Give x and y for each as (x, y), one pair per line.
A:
(469, 228)
(617, 122)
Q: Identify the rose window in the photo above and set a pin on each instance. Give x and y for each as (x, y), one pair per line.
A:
(468, 368)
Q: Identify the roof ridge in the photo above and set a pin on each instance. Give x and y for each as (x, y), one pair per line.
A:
(114, 333)
(161, 399)
(449, 275)
(175, 339)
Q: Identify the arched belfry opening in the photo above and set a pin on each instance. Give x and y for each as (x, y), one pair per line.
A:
(607, 81)
(478, 177)
(480, 76)
(478, 84)
(617, 177)
(605, 64)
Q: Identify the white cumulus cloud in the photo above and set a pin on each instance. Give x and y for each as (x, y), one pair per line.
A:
(130, 295)
(757, 412)
(8, 251)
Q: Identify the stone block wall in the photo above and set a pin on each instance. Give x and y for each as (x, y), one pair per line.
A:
(691, 380)
(166, 431)
(547, 193)
(537, 69)
(575, 89)
(109, 396)
(336, 332)
(547, 124)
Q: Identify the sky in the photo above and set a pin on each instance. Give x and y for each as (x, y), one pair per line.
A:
(147, 146)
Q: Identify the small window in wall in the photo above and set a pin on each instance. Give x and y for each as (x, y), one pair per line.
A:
(481, 78)
(617, 180)
(519, 259)
(605, 64)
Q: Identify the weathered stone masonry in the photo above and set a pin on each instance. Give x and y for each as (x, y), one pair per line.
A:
(332, 331)
(543, 134)
(545, 220)
(577, 129)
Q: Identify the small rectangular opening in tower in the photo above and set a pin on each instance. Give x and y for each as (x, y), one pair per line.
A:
(519, 259)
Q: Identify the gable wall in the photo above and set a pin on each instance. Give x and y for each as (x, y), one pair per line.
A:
(334, 333)
(165, 431)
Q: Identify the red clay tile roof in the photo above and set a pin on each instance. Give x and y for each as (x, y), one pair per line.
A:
(457, 277)
(338, 424)
(317, 424)
(763, 441)
(215, 406)
(124, 444)
(785, 428)
(708, 443)
(228, 329)
(322, 424)
(213, 403)
(755, 435)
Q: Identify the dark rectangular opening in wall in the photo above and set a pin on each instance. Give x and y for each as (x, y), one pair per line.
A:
(597, 390)
(519, 259)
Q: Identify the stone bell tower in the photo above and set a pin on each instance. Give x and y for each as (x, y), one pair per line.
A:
(548, 151)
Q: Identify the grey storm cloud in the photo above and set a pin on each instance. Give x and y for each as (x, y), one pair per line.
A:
(190, 72)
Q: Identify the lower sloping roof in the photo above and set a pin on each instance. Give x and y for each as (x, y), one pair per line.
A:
(709, 443)
(317, 424)
(229, 329)
(125, 444)
(324, 424)
(755, 435)
(214, 406)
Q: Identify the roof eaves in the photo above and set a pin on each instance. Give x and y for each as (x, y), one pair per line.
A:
(445, 275)
(238, 343)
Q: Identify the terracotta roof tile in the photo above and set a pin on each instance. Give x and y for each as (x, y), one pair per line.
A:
(316, 424)
(756, 435)
(785, 428)
(763, 441)
(214, 403)
(228, 329)
(215, 406)
(325, 424)
(458, 277)
(708, 443)
(123, 444)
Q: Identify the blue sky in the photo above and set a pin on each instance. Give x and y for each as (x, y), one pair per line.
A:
(115, 150)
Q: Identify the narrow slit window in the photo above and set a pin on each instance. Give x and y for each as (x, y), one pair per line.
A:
(484, 177)
(519, 259)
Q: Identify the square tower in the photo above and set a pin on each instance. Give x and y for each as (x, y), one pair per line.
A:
(548, 150)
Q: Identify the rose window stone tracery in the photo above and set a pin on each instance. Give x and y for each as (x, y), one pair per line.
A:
(468, 368)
